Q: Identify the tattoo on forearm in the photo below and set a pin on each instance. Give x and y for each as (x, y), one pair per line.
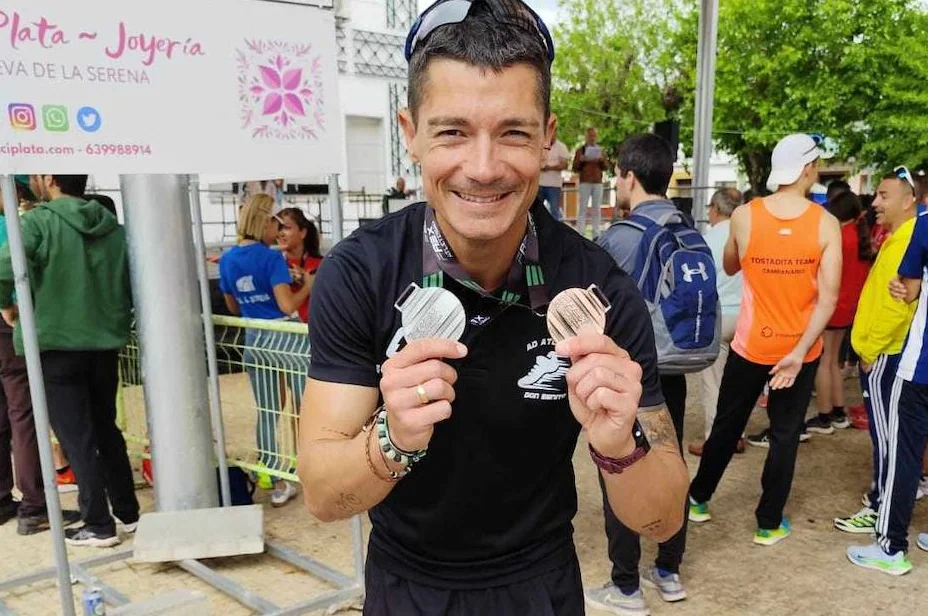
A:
(338, 432)
(348, 503)
(658, 427)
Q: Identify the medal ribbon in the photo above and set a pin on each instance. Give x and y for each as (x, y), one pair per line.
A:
(438, 259)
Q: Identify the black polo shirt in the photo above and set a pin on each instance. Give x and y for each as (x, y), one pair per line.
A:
(492, 503)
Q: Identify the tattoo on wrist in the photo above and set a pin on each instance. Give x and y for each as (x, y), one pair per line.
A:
(348, 503)
(658, 426)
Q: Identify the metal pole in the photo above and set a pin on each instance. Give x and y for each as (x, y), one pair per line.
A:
(171, 345)
(357, 544)
(335, 209)
(705, 93)
(215, 403)
(37, 391)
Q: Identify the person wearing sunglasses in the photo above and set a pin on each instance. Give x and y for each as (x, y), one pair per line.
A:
(878, 334)
(789, 250)
(461, 451)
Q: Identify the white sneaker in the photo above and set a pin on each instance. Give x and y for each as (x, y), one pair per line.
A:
(129, 529)
(281, 496)
(610, 598)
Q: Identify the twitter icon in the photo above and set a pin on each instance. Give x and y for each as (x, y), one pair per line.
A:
(89, 119)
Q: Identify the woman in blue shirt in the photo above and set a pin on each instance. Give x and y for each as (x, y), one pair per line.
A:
(255, 283)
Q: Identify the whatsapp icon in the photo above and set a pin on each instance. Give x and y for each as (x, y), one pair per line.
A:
(55, 118)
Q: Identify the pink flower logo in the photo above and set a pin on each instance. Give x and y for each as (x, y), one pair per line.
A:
(280, 90)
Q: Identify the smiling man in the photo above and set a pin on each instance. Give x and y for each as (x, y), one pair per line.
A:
(467, 469)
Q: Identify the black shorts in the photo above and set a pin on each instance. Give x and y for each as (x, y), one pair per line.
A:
(555, 593)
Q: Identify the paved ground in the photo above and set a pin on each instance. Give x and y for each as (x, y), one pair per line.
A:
(807, 574)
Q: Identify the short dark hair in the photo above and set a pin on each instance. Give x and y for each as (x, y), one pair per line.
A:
(482, 41)
(71, 185)
(904, 182)
(650, 158)
(837, 187)
(921, 186)
(845, 207)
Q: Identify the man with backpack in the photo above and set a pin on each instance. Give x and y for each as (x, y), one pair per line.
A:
(789, 250)
(673, 268)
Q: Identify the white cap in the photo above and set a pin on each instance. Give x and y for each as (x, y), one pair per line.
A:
(791, 156)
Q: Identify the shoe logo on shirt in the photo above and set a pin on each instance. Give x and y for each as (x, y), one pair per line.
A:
(766, 332)
(688, 272)
(547, 375)
(245, 284)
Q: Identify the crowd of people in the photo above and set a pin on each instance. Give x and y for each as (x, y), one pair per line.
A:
(259, 282)
(75, 246)
(76, 249)
(430, 434)
(461, 449)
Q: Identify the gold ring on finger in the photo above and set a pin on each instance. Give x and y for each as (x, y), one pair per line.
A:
(423, 397)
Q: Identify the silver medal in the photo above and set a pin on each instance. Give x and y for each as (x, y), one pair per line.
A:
(431, 312)
(575, 311)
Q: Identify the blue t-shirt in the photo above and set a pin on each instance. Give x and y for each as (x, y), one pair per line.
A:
(914, 363)
(250, 273)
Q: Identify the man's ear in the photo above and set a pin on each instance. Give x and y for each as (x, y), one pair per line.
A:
(551, 131)
(408, 125)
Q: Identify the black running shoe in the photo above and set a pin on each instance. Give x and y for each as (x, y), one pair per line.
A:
(839, 420)
(32, 524)
(820, 424)
(760, 440)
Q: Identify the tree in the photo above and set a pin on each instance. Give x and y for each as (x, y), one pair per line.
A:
(605, 73)
(842, 68)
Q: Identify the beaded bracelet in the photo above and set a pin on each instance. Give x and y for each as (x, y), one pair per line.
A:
(393, 477)
(390, 450)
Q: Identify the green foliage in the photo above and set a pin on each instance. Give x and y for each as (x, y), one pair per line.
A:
(829, 66)
(855, 71)
(606, 73)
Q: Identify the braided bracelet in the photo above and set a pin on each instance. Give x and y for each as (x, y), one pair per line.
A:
(393, 477)
(390, 450)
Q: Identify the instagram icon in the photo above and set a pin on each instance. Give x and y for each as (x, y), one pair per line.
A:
(22, 116)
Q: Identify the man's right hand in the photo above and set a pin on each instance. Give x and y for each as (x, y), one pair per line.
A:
(897, 289)
(413, 412)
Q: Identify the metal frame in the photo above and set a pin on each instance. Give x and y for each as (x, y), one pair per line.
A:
(401, 14)
(37, 391)
(80, 573)
(346, 587)
(379, 54)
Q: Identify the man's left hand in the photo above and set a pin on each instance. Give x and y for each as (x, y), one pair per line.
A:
(785, 373)
(604, 389)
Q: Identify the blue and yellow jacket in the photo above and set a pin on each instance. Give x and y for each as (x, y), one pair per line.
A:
(882, 323)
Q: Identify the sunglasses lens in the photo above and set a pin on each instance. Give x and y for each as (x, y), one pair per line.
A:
(511, 12)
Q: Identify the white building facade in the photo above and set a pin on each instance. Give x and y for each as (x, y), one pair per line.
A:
(372, 88)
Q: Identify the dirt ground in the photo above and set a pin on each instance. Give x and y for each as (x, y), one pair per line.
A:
(724, 573)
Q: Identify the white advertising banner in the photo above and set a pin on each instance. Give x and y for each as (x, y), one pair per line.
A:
(240, 87)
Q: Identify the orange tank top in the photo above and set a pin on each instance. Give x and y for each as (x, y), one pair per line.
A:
(780, 270)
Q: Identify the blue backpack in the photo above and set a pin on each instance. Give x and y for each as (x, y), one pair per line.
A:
(675, 274)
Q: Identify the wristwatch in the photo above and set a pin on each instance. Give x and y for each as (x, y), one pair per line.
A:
(616, 466)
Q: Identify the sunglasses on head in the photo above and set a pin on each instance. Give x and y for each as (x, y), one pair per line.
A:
(902, 172)
(818, 141)
(445, 12)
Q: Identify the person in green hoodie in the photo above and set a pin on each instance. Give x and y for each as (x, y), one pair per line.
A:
(78, 267)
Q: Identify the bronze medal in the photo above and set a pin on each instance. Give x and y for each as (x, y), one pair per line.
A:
(576, 311)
